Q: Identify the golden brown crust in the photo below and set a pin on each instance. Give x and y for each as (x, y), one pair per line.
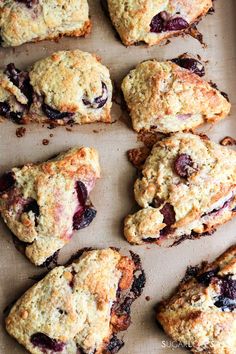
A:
(202, 313)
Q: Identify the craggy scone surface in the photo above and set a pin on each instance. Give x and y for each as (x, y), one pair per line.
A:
(168, 98)
(202, 313)
(43, 203)
(66, 87)
(79, 308)
(187, 187)
(152, 21)
(34, 20)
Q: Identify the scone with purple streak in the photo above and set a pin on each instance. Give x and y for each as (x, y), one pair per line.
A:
(44, 203)
(187, 188)
(171, 96)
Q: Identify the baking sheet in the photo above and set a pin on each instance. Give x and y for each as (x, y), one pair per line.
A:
(113, 194)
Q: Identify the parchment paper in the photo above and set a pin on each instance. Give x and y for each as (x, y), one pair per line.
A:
(113, 194)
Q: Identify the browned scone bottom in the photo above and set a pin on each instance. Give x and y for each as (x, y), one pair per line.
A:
(186, 189)
(201, 315)
(79, 308)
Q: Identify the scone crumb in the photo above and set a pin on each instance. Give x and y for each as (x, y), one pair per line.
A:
(228, 141)
(138, 156)
(20, 132)
(45, 141)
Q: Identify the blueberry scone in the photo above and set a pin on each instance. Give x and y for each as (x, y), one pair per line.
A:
(171, 96)
(152, 21)
(201, 315)
(24, 21)
(81, 307)
(187, 188)
(42, 204)
(67, 87)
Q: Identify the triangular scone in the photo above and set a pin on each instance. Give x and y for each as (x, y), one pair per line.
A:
(64, 88)
(43, 203)
(152, 21)
(79, 308)
(168, 98)
(186, 189)
(24, 21)
(202, 313)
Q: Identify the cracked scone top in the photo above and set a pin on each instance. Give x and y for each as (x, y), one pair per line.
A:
(152, 21)
(187, 188)
(35, 20)
(91, 303)
(42, 204)
(166, 97)
(202, 313)
(68, 86)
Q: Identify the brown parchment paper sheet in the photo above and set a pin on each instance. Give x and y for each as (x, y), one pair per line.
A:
(113, 194)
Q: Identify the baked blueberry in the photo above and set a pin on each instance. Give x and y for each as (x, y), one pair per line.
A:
(202, 312)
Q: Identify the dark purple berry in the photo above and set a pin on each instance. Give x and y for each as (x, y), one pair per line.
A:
(16, 117)
(163, 22)
(228, 288)
(29, 3)
(225, 205)
(99, 101)
(82, 192)
(33, 206)
(83, 218)
(138, 284)
(182, 164)
(224, 303)
(157, 202)
(21, 80)
(54, 113)
(114, 345)
(169, 214)
(149, 240)
(51, 261)
(13, 73)
(157, 24)
(4, 109)
(176, 24)
(7, 181)
(206, 277)
(191, 64)
(42, 341)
